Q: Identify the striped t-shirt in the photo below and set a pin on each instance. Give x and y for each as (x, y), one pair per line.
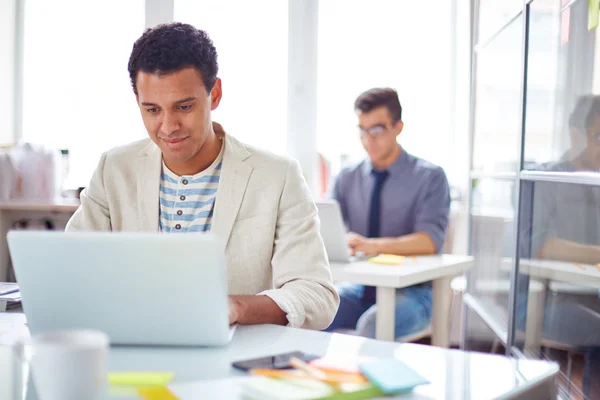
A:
(187, 202)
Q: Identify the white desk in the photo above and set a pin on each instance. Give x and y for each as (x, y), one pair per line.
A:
(546, 271)
(453, 374)
(438, 268)
(563, 271)
(10, 212)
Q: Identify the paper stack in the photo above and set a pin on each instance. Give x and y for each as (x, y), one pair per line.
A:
(10, 296)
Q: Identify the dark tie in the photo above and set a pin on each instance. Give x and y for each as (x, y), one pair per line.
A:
(379, 178)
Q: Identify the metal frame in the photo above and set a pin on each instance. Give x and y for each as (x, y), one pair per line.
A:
(474, 35)
(474, 38)
(514, 273)
(576, 178)
(18, 69)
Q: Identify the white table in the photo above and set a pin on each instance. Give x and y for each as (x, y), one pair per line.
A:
(10, 212)
(563, 271)
(453, 374)
(546, 271)
(386, 278)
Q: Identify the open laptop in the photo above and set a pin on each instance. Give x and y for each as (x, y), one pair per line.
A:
(138, 288)
(334, 232)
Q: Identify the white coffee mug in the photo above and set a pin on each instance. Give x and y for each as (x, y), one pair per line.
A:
(69, 365)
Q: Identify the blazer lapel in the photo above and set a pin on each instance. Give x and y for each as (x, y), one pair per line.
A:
(148, 186)
(235, 174)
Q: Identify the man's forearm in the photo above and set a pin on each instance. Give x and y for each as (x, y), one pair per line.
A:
(258, 310)
(565, 250)
(414, 244)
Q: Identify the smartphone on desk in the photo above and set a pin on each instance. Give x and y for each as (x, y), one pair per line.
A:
(276, 361)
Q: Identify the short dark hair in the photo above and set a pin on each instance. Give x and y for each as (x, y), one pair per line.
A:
(577, 119)
(171, 47)
(377, 97)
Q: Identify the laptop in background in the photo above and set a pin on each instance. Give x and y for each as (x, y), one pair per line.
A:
(333, 231)
(138, 288)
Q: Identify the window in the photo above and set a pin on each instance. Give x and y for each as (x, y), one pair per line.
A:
(76, 92)
(399, 44)
(251, 38)
(498, 102)
(494, 14)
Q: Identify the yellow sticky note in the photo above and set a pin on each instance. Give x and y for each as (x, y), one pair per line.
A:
(387, 259)
(594, 12)
(144, 379)
(157, 393)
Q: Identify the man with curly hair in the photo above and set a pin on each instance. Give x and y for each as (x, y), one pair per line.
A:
(190, 176)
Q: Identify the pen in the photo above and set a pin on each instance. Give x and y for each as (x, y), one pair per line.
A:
(312, 371)
(330, 378)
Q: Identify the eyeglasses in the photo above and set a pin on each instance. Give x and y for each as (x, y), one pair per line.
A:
(374, 131)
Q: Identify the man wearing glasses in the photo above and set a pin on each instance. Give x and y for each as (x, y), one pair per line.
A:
(392, 203)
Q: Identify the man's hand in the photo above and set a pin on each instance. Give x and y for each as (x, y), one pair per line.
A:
(251, 310)
(361, 244)
(235, 310)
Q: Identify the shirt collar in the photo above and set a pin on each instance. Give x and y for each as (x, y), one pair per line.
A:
(396, 168)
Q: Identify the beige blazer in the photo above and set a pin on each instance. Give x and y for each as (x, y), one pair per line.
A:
(263, 210)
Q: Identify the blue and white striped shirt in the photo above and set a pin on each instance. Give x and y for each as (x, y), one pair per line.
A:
(187, 202)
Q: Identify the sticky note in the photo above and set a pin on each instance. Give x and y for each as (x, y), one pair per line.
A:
(145, 379)
(593, 14)
(341, 365)
(392, 376)
(157, 393)
(387, 259)
(268, 388)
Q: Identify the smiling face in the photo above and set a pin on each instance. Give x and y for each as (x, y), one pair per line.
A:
(176, 110)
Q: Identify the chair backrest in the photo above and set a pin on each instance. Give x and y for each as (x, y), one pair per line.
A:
(448, 246)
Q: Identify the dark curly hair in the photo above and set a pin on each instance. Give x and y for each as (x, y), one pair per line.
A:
(171, 47)
(377, 97)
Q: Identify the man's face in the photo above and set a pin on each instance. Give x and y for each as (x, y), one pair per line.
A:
(176, 110)
(593, 142)
(378, 133)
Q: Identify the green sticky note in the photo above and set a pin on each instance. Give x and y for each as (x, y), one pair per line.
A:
(140, 379)
(593, 14)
